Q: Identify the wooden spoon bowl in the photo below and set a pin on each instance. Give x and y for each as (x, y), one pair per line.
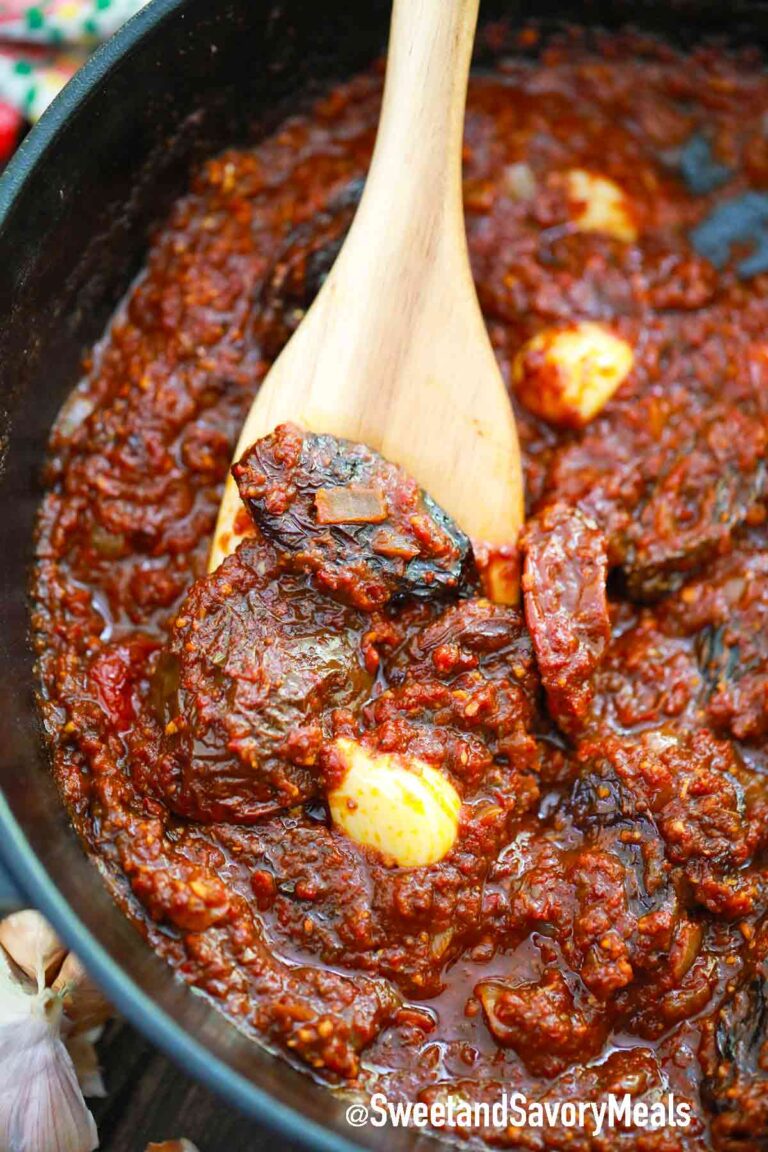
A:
(394, 351)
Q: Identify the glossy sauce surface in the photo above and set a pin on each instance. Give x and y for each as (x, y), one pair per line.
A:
(600, 924)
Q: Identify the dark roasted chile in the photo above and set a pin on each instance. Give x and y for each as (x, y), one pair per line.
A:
(699, 475)
(300, 269)
(256, 664)
(565, 573)
(699, 794)
(599, 925)
(735, 1056)
(726, 615)
(361, 525)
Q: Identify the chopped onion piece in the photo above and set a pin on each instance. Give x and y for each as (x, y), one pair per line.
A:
(350, 505)
(519, 181)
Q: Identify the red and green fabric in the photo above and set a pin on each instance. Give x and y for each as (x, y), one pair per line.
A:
(42, 44)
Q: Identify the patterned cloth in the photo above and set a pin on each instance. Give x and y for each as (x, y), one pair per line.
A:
(41, 45)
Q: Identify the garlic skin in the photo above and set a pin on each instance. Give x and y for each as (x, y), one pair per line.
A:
(32, 945)
(84, 1003)
(82, 1051)
(41, 1105)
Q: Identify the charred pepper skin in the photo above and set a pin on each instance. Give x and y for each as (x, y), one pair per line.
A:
(565, 570)
(244, 693)
(402, 546)
(300, 269)
(735, 1053)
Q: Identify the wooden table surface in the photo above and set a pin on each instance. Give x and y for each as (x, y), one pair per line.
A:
(148, 1099)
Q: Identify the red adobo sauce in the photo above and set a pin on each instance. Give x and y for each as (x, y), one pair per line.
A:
(601, 923)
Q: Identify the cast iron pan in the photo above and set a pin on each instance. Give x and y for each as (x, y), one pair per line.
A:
(181, 80)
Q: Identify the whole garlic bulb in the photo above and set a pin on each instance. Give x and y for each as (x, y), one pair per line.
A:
(47, 1034)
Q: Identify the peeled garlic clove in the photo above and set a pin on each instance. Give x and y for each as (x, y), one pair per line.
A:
(600, 205)
(567, 375)
(84, 1003)
(401, 807)
(32, 945)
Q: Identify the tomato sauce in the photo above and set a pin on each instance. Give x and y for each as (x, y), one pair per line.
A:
(601, 922)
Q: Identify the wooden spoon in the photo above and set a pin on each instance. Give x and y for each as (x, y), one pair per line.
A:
(394, 351)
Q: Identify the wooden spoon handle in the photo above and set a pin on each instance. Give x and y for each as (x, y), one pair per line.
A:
(422, 117)
(393, 351)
